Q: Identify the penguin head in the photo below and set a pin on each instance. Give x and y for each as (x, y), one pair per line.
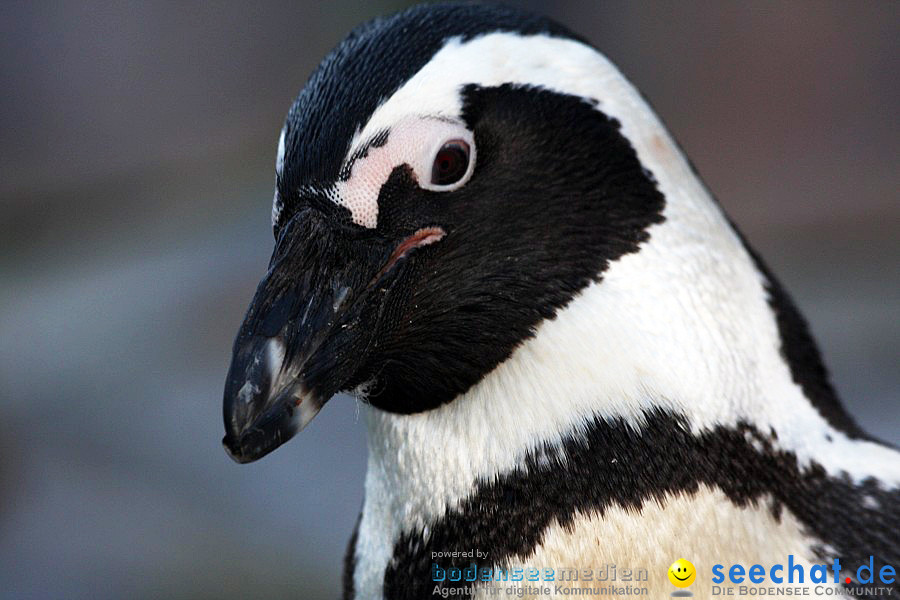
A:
(449, 179)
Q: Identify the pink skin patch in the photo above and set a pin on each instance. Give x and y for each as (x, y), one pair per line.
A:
(422, 237)
(413, 141)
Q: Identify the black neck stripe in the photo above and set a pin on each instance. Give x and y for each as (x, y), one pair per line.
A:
(615, 465)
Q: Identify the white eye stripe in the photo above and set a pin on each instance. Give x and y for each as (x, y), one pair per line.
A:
(277, 206)
(485, 60)
(279, 157)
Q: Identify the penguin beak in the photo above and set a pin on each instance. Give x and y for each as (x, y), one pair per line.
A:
(305, 335)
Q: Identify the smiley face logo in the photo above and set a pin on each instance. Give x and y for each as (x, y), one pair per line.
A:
(682, 573)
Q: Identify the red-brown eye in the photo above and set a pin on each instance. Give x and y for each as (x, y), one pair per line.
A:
(450, 163)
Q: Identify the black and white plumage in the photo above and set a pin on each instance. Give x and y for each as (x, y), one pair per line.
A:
(568, 355)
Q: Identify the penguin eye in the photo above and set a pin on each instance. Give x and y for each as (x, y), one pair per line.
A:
(451, 163)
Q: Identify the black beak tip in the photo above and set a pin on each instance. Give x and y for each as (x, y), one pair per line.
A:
(256, 423)
(235, 451)
(250, 448)
(264, 433)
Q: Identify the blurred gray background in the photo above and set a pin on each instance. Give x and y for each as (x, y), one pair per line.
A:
(137, 145)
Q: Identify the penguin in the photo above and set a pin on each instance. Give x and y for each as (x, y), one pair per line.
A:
(566, 356)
